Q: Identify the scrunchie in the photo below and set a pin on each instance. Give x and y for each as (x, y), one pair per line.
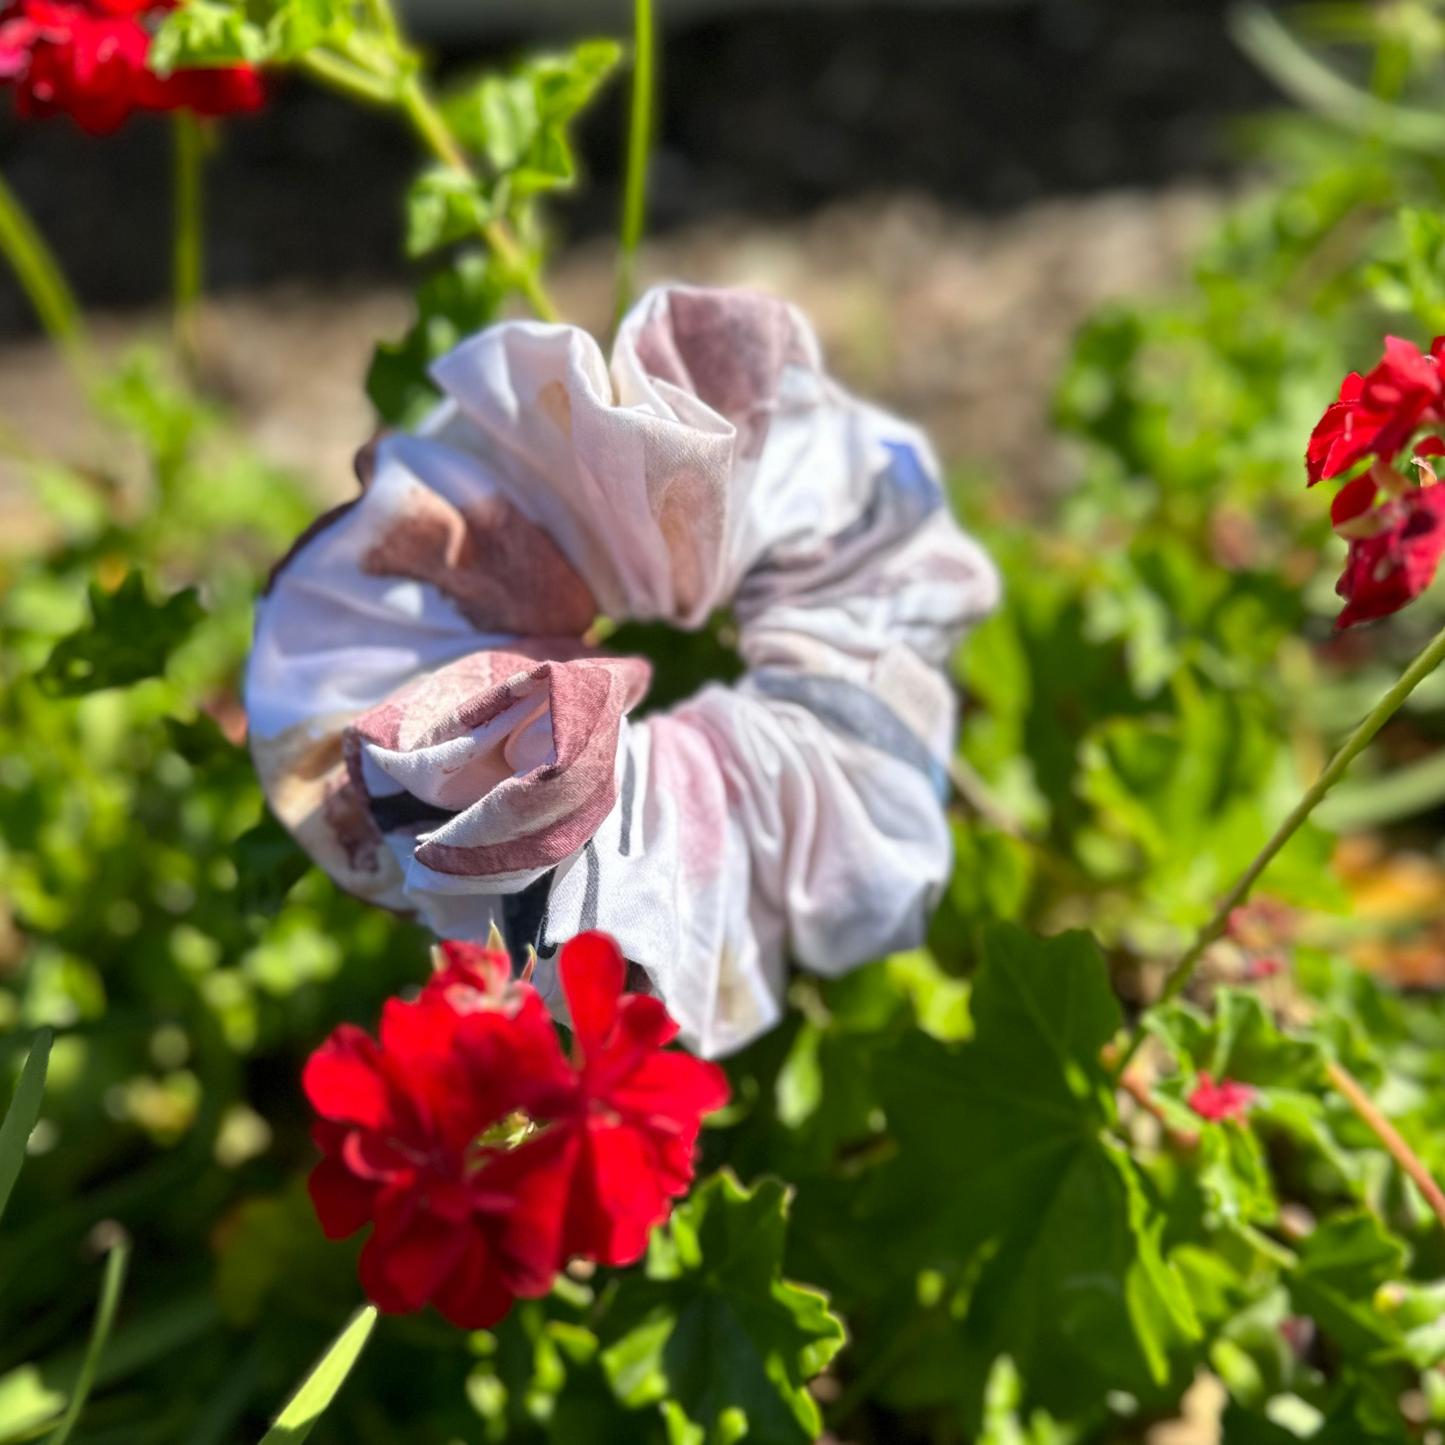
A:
(429, 722)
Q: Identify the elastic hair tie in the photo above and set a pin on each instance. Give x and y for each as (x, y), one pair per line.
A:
(429, 719)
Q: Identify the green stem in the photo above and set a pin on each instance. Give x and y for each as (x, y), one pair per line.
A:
(350, 79)
(354, 77)
(190, 160)
(431, 126)
(100, 1332)
(1421, 668)
(38, 273)
(639, 149)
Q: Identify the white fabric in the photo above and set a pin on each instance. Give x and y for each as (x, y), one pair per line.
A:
(428, 719)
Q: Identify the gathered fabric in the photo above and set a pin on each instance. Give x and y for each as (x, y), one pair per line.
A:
(430, 720)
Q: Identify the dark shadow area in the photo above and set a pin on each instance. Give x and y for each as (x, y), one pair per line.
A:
(769, 112)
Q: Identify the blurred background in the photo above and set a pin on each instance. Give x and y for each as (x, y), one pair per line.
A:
(949, 188)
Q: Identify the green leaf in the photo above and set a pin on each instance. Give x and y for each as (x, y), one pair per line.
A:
(715, 1329)
(1002, 1398)
(452, 303)
(110, 1289)
(1234, 1174)
(1341, 1266)
(445, 205)
(518, 122)
(129, 637)
(269, 863)
(301, 25)
(26, 1404)
(1008, 1180)
(319, 1388)
(1240, 1041)
(206, 32)
(217, 32)
(22, 1114)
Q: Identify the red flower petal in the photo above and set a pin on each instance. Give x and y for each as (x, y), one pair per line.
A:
(487, 970)
(675, 1089)
(532, 1186)
(1227, 1099)
(616, 1196)
(345, 1080)
(474, 1297)
(1353, 498)
(410, 1254)
(593, 973)
(1386, 571)
(343, 1202)
(463, 1216)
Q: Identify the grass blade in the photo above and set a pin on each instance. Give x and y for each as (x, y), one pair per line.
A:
(319, 1388)
(24, 1110)
(110, 1288)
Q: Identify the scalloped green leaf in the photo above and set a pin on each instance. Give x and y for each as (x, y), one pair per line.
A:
(714, 1329)
(128, 638)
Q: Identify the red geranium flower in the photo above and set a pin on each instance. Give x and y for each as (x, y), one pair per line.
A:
(1225, 1100)
(409, 1126)
(87, 59)
(604, 1173)
(483, 1157)
(1395, 548)
(1395, 524)
(1377, 414)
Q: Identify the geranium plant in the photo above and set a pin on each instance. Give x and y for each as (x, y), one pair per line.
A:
(1149, 1131)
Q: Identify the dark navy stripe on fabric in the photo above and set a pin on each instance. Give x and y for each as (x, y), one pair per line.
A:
(856, 713)
(591, 896)
(524, 918)
(404, 810)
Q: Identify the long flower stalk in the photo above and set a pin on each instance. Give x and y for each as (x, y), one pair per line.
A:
(1354, 1094)
(639, 149)
(40, 275)
(431, 126)
(189, 242)
(399, 87)
(1424, 664)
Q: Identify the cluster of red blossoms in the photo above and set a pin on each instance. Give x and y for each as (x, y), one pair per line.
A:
(483, 1157)
(1395, 524)
(87, 59)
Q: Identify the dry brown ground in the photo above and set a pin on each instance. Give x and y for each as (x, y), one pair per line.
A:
(957, 322)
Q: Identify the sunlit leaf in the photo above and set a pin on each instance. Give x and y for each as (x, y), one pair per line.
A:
(715, 1329)
(319, 1388)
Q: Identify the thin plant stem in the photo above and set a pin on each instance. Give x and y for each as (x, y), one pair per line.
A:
(189, 245)
(980, 799)
(338, 73)
(407, 92)
(1424, 664)
(639, 149)
(1354, 1094)
(100, 1332)
(39, 274)
(431, 126)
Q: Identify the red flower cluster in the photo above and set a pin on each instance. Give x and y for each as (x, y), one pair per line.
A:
(87, 59)
(1225, 1100)
(1396, 546)
(483, 1157)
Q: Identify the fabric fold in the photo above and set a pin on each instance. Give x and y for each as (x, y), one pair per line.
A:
(431, 720)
